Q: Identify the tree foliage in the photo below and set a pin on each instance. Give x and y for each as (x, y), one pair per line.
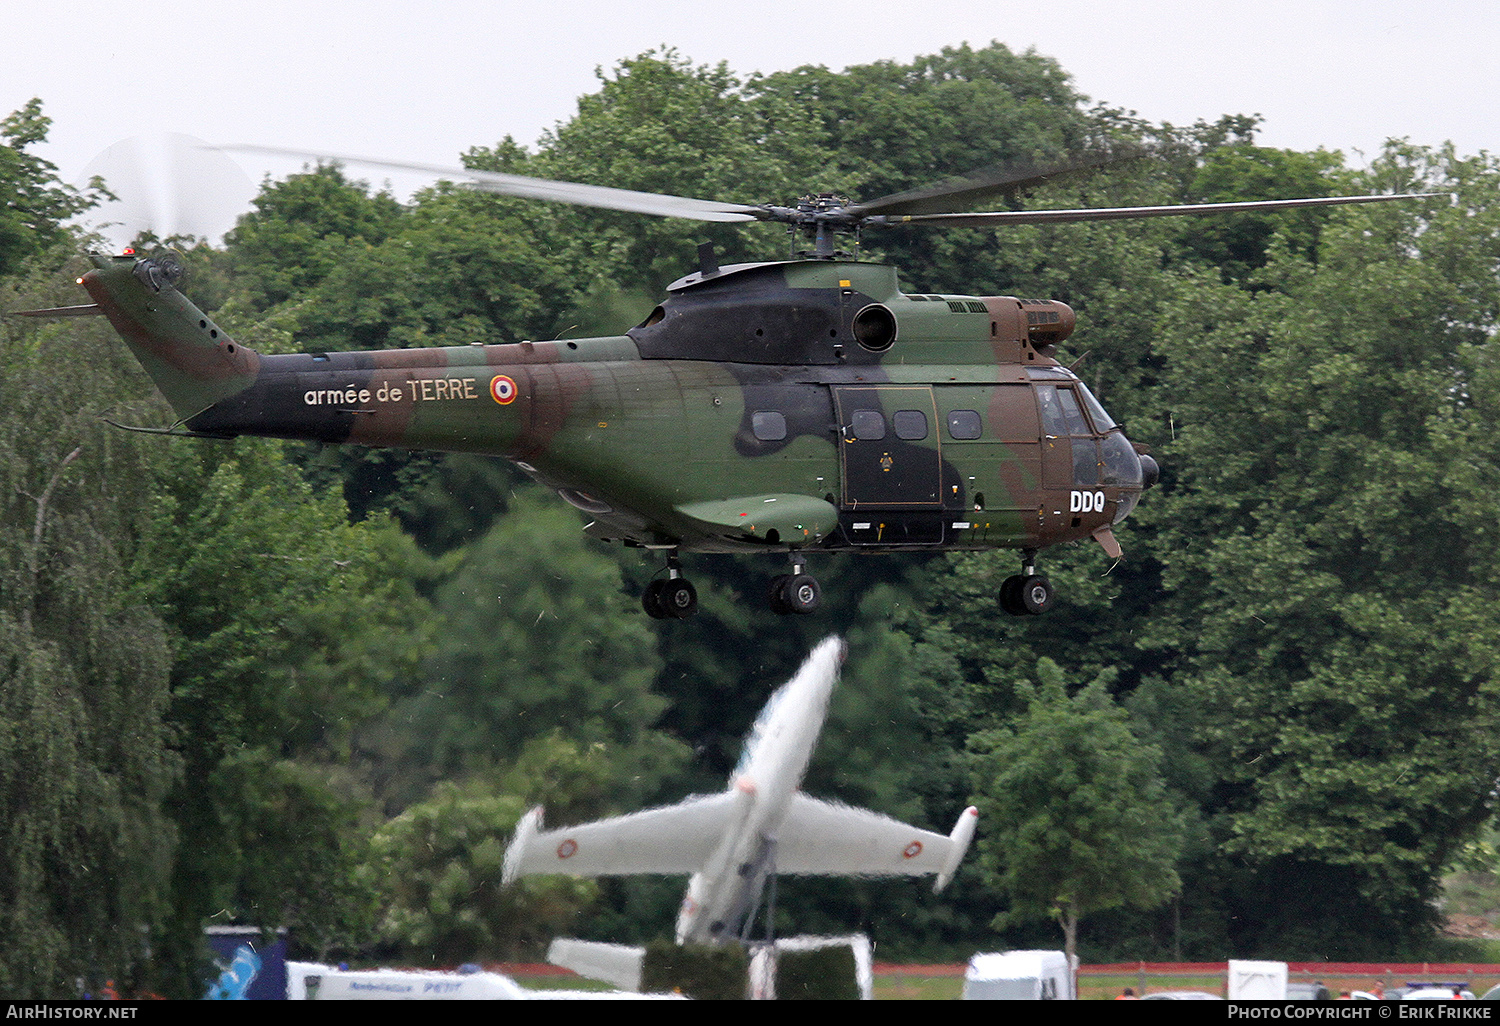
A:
(86, 845)
(34, 205)
(1076, 817)
(1329, 579)
(440, 862)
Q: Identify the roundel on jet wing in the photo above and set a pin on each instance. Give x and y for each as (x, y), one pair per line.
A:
(567, 849)
(912, 850)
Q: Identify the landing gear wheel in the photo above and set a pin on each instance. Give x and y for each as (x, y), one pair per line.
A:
(678, 598)
(1010, 595)
(1036, 595)
(651, 600)
(802, 593)
(794, 593)
(776, 597)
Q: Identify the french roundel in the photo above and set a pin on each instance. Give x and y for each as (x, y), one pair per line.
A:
(912, 850)
(503, 389)
(567, 849)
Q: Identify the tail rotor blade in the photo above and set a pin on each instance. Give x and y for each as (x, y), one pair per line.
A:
(169, 185)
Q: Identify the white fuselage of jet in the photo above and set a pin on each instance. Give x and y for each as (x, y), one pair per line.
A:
(728, 843)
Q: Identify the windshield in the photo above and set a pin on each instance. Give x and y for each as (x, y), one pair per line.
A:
(1102, 421)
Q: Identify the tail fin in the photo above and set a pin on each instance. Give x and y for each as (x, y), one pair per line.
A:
(963, 833)
(192, 362)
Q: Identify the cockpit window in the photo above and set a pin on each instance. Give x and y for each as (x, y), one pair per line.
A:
(1072, 414)
(1053, 424)
(1121, 465)
(1102, 420)
(1061, 413)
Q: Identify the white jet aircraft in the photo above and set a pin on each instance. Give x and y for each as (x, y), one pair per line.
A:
(728, 843)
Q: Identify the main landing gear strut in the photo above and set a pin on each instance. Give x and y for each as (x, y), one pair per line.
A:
(1027, 593)
(672, 597)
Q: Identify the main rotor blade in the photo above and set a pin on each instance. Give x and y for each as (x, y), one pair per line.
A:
(545, 189)
(994, 218)
(956, 194)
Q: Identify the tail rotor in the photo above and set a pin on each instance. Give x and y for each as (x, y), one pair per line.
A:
(167, 187)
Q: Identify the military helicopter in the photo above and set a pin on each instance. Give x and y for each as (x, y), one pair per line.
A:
(796, 406)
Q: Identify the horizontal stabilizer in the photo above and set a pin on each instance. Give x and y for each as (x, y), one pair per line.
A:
(673, 840)
(87, 310)
(824, 838)
(619, 964)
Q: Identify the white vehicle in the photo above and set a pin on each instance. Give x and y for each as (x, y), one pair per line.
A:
(729, 843)
(1257, 980)
(308, 981)
(1439, 993)
(1018, 976)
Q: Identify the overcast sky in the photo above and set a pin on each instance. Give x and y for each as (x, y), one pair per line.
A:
(425, 81)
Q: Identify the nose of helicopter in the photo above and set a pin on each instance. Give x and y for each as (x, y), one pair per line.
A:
(1145, 474)
(1150, 470)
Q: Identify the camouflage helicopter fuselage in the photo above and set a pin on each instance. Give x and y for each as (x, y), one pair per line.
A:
(795, 406)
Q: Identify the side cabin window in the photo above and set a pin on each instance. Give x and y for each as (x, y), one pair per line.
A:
(965, 424)
(910, 425)
(769, 426)
(867, 425)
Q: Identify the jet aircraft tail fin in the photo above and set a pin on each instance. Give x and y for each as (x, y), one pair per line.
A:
(190, 359)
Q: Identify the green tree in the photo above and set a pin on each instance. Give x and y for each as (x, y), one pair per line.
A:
(34, 205)
(1330, 572)
(85, 848)
(302, 228)
(536, 636)
(440, 862)
(1074, 816)
(1238, 244)
(297, 840)
(290, 628)
(661, 124)
(456, 267)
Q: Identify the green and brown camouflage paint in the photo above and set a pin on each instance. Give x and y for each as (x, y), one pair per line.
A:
(777, 406)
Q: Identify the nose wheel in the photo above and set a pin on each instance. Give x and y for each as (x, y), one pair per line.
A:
(672, 597)
(796, 592)
(1027, 593)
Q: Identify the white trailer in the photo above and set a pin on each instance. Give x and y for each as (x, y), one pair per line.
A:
(1018, 976)
(1257, 981)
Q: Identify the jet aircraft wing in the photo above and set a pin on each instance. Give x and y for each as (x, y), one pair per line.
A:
(819, 837)
(672, 840)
